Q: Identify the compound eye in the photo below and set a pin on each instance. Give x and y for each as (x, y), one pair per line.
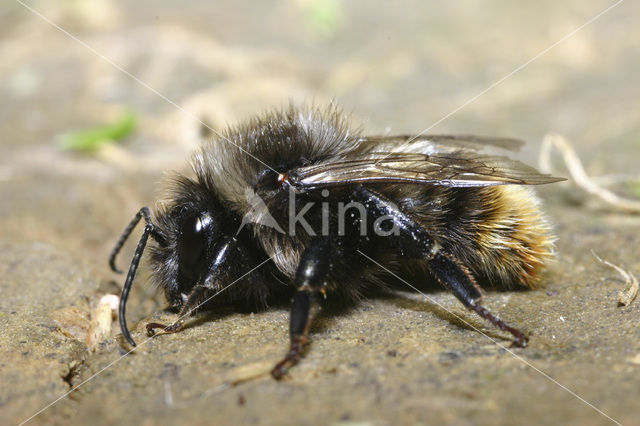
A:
(192, 242)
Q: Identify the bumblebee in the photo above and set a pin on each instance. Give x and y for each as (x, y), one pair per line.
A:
(298, 205)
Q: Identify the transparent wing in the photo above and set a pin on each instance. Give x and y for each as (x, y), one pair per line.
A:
(455, 161)
(439, 143)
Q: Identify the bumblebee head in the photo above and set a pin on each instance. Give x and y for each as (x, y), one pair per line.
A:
(189, 236)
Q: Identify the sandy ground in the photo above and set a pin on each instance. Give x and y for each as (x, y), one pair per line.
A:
(399, 68)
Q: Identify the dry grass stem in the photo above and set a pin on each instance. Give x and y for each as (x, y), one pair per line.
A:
(579, 175)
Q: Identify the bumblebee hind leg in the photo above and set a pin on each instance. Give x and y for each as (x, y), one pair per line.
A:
(457, 279)
(415, 242)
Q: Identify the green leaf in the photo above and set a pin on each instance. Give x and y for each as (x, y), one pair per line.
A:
(90, 140)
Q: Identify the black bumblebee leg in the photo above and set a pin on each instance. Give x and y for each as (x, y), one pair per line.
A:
(166, 329)
(299, 328)
(415, 242)
(190, 305)
(316, 265)
(143, 212)
(460, 282)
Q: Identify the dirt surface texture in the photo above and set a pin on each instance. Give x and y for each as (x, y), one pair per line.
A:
(501, 68)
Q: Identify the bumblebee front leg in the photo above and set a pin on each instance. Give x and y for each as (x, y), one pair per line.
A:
(193, 301)
(228, 250)
(316, 265)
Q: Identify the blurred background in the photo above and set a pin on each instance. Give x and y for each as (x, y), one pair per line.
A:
(101, 97)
